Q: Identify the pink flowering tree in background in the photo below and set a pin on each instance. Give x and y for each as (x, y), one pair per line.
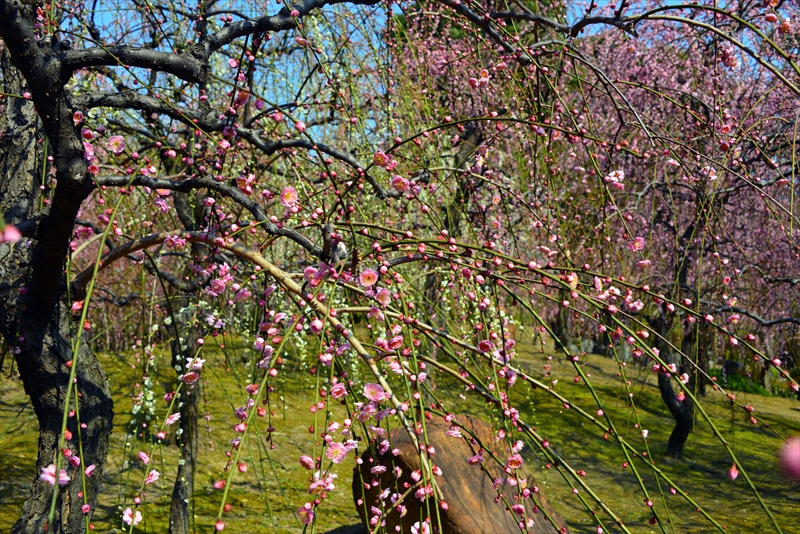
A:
(390, 195)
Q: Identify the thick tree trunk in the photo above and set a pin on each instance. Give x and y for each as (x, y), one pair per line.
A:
(45, 375)
(38, 330)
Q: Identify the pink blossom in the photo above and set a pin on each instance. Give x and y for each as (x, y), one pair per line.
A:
(514, 461)
(368, 278)
(790, 458)
(190, 377)
(400, 184)
(395, 343)
(306, 514)
(338, 391)
(89, 471)
(289, 196)
(300, 126)
(316, 325)
(477, 459)
(485, 346)
(307, 462)
(232, 63)
(733, 472)
(374, 392)
(383, 296)
(172, 419)
(637, 244)
(130, 519)
(116, 144)
(48, 474)
(380, 159)
(10, 234)
(336, 452)
(144, 457)
(152, 476)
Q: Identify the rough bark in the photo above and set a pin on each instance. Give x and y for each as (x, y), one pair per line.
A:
(35, 320)
(45, 376)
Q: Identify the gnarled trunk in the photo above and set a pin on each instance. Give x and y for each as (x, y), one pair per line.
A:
(42, 361)
(38, 329)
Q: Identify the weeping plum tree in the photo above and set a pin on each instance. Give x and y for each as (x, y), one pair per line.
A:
(399, 189)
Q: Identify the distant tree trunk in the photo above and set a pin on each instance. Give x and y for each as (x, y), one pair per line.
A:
(696, 345)
(559, 324)
(35, 322)
(682, 411)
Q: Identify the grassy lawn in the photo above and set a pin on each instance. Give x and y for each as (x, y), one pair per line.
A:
(264, 500)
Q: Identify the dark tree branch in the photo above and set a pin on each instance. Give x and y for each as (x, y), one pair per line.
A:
(184, 66)
(761, 321)
(234, 194)
(270, 147)
(623, 23)
(184, 286)
(40, 67)
(149, 104)
(484, 25)
(211, 123)
(281, 21)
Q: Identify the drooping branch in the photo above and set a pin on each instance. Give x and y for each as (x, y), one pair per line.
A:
(234, 194)
(270, 147)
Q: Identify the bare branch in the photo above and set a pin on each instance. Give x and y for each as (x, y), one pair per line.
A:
(761, 321)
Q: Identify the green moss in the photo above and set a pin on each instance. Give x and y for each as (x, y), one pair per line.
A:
(265, 499)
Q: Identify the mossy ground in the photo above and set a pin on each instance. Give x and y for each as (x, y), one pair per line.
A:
(265, 499)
